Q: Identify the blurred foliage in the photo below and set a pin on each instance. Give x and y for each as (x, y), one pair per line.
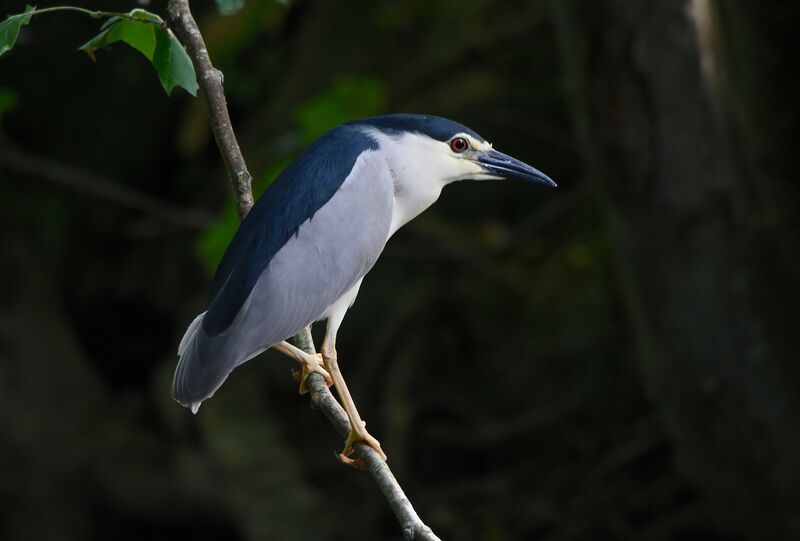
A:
(8, 101)
(228, 7)
(348, 98)
(499, 348)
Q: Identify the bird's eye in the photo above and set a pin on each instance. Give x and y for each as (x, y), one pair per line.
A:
(458, 144)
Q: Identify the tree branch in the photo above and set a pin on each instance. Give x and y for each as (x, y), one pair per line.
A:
(180, 20)
(322, 400)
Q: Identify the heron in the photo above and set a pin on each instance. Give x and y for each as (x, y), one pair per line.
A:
(302, 252)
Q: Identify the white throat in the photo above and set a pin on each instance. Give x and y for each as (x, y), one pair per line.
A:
(419, 170)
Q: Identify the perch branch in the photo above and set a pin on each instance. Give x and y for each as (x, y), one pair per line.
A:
(180, 20)
(322, 400)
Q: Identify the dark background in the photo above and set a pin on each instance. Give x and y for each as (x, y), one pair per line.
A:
(614, 359)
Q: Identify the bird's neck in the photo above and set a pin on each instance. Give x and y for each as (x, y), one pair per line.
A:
(412, 195)
(418, 173)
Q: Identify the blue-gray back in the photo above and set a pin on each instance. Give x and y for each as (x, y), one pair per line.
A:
(294, 197)
(302, 283)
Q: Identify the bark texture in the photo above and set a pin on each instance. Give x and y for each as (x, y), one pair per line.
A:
(210, 80)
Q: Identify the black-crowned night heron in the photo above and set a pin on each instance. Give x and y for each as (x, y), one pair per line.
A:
(301, 253)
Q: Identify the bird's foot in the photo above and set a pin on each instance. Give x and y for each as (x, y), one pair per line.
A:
(311, 364)
(356, 435)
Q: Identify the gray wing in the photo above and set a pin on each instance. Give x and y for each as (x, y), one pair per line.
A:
(301, 189)
(329, 254)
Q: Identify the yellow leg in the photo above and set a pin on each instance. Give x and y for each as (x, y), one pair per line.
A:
(311, 363)
(358, 430)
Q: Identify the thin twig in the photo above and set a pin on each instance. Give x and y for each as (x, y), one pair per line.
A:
(183, 24)
(97, 14)
(26, 163)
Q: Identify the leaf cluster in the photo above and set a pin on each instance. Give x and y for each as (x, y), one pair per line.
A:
(144, 31)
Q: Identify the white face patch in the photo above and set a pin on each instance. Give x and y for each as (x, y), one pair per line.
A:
(422, 164)
(420, 167)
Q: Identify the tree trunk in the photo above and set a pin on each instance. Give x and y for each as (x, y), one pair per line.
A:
(703, 262)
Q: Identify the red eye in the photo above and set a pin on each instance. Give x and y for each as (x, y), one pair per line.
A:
(458, 144)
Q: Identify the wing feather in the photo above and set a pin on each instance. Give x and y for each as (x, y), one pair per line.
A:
(326, 257)
(294, 197)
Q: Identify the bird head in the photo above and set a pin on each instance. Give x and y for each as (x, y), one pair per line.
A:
(450, 150)
(477, 160)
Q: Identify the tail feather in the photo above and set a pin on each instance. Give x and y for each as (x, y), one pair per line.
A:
(202, 367)
(189, 334)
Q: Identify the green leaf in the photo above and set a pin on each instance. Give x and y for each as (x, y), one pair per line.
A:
(155, 42)
(9, 29)
(140, 36)
(172, 63)
(229, 7)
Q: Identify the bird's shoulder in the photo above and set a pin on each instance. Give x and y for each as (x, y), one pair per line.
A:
(306, 184)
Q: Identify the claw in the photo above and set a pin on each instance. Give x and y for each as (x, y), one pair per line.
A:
(359, 435)
(358, 463)
(310, 365)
